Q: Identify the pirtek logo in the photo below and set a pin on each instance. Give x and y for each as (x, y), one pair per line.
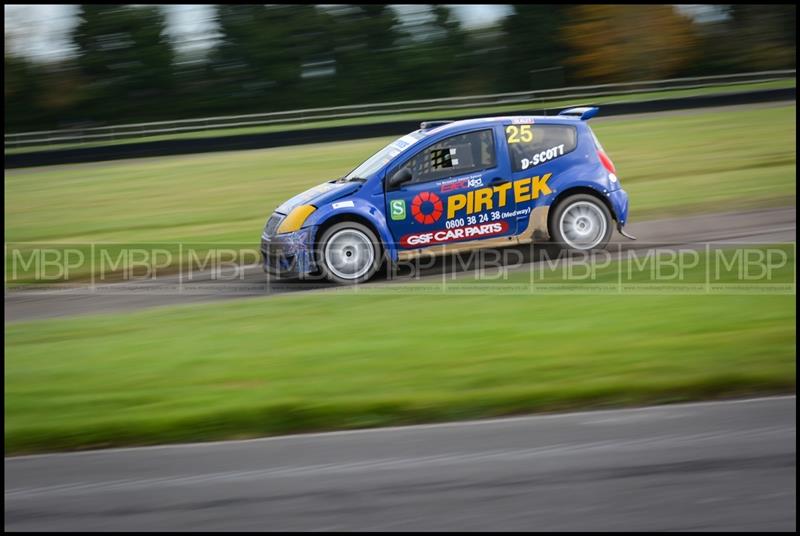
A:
(493, 197)
(426, 207)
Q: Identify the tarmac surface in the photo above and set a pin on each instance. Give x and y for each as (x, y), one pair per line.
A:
(722, 466)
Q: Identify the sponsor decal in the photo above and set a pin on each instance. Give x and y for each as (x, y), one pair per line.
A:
(403, 143)
(522, 121)
(397, 209)
(462, 183)
(544, 156)
(443, 236)
(495, 197)
(409, 140)
(426, 207)
(343, 204)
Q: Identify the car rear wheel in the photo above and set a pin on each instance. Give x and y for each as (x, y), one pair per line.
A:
(581, 222)
(349, 253)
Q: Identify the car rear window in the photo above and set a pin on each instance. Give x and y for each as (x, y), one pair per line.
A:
(533, 145)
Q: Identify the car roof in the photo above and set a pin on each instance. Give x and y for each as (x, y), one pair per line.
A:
(466, 124)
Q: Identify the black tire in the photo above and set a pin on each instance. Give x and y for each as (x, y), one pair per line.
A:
(581, 202)
(333, 269)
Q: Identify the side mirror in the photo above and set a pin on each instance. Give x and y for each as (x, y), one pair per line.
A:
(402, 175)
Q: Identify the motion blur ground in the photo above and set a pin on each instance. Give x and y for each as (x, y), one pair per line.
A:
(141, 330)
(720, 466)
(221, 198)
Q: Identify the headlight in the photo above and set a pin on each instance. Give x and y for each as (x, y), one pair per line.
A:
(295, 219)
(272, 224)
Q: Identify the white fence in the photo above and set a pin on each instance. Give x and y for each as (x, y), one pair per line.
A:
(138, 130)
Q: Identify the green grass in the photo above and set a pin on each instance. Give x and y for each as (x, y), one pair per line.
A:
(457, 112)
(343, 360)
(674, 164)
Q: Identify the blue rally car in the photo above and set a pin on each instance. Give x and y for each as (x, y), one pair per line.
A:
(452, 186)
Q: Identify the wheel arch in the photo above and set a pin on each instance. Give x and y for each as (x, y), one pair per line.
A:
(352, 217)
(582, 190)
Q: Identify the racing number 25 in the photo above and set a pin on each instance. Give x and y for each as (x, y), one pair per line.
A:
(516, 134)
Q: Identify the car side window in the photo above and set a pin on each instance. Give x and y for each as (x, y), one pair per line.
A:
(531, 145)
(456, 155)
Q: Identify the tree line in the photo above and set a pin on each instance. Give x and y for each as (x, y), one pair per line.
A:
(269, 58)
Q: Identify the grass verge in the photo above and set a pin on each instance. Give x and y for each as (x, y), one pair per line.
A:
(344, 360)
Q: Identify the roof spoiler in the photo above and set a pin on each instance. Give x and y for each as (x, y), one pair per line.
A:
(425, 125)
(583, 113)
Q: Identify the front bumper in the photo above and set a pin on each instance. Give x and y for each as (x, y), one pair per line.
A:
(288, 254)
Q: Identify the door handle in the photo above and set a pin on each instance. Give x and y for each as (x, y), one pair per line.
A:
(497, 181)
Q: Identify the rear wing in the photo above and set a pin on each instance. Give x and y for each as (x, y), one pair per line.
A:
(583, 113)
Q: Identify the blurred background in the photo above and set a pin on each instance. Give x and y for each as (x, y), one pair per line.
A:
(88, 65)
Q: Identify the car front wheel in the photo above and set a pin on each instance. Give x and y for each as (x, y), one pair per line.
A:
(581, 222)
(348, 253)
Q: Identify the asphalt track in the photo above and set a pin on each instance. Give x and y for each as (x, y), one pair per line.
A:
(722, 466)
(776, 225)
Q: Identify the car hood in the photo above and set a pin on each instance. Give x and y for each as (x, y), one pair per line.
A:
(319, 195)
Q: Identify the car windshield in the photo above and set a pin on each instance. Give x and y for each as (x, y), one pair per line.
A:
(374, 162)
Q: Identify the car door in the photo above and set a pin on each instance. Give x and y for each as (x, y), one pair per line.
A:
(458, 191)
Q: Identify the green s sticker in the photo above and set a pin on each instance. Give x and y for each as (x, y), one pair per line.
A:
(398, 209)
